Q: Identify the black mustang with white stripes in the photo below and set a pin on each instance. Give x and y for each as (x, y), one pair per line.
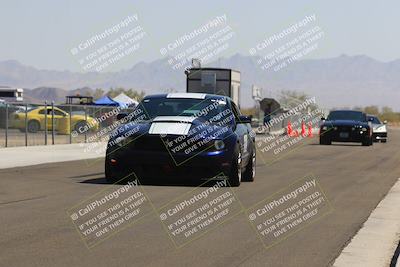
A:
(184, 136)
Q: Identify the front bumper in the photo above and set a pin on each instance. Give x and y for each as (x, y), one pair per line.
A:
(380, 136)
(152, 164)
(345, 134)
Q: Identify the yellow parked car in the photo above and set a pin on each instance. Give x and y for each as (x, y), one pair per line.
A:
(36, 120)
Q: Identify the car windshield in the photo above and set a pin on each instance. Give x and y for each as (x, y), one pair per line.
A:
(207, 109)
(346, 115)
(374, 120)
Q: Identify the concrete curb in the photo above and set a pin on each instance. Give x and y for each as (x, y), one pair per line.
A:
(33, 155)
(376, 241)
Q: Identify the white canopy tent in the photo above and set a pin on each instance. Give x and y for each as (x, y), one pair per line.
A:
(125, 100)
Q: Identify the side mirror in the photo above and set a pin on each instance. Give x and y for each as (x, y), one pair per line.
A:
(243, 119)
(385, 122)
(370, 119)
(120, 116)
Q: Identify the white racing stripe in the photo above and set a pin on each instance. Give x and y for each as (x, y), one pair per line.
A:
(187, 95)
(376, 241)
(174, 119)
(178, 125)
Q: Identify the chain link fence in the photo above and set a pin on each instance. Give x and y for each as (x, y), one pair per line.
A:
(48, 123)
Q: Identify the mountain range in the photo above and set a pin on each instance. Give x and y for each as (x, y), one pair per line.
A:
(343, 81)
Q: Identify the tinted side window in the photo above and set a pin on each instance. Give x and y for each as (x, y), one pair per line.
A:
(376, 120)
(56, 112)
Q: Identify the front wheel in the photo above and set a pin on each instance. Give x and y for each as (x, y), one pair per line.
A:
(235, 175)
(367, 142)
(111, 177)
(250, 171)
(33, 126)
(324, 141)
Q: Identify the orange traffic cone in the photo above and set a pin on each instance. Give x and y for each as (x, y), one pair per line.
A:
(303, 129)
(310, 130)
(289, 128)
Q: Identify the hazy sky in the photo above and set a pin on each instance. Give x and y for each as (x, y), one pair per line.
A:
(41, 33)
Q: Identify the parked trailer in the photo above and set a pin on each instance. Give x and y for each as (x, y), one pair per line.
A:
(214, 81)
(12, 94)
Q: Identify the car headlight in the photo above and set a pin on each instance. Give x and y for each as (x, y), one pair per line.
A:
(219, 144)
(364, 129)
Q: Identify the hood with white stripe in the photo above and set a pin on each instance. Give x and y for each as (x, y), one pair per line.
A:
(173, 125)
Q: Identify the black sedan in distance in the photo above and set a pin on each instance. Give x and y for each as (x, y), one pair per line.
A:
(346, 126)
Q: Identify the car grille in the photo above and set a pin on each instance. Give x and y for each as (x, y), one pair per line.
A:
(150, 143)
(344, 128)
(157, 144)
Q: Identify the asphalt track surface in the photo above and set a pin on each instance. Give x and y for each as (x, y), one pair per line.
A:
(36, 230)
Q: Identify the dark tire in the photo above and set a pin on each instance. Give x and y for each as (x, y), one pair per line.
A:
(324, 141)
(107, 173)
(111, 178)
(235, 175)
(367, 142)
(250, 171)
(33, 126)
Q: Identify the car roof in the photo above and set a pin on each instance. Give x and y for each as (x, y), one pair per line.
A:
(187, 96)
(372, 116)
